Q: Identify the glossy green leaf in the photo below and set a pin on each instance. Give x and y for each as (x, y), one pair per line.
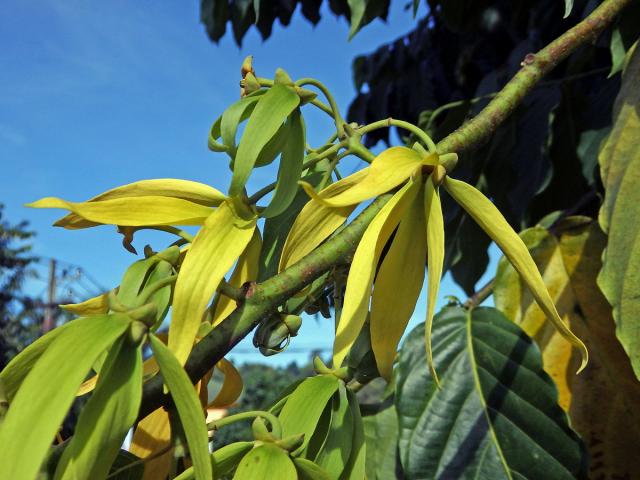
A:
(397, 287)
(266, 461)
(381, 435)
(48, 390)
(213, 252)
(107, 417)
(188, 406)
(290, 167)
(305, 405)
(363, 266)
(272, 110)
(496, 415)
(485, 214)
(620, 171)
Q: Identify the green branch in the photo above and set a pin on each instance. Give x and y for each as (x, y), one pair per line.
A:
(262, 299)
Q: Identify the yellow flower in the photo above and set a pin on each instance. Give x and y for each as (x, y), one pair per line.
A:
(414, 213)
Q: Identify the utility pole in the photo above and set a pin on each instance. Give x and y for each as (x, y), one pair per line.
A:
(49, 311)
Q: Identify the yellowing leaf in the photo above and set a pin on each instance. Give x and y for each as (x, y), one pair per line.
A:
(365, 261)
(92, 306)
(316, 222)
(106, 418)
(152, 434)
(397, 287)
(213, 252)
(231, 387)
(134, 211)
(48, 390)
(491, 221)
(388, 170)
(435, 261)
(188, 406)
(245, 270)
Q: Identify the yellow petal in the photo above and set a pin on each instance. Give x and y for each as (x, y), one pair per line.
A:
(152, 434)
(213, 252)
(491, 221)
(134, 211)
(162, 187)
(93, 306)
(316, 222)
(231, 387)
(435, 260)
(397, 287)
(246, 269)
(388, 170)
(363, 267)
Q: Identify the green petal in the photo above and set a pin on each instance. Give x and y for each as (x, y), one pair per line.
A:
(270, 113)
(435, 260)
(266, 461)
(365, 261)
(213, 252)
(491, 221)
(188, 406)
(397, 287)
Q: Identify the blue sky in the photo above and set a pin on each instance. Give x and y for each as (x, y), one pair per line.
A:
(98, 94)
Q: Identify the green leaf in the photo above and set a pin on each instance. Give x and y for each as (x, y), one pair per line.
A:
(43, 399)
(381, 435)
(496, 415)
(618, 52)
(588, 149)
(335, 451)
(125, 459)
(620, 172)
(272, 110)
(266, 461)
(568, 6)
(188, 406)
(107, 417)
(290, 167)
(307, 470)
(305, 405)
(356, 466)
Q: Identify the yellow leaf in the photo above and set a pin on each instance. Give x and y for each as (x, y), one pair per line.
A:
(491, 221)
(246, 269)
(134, 211)
(231, 387)
(365, 261)
(92, 306)
(397, 287)
(163, 187)
(388, 170)
(152, 434)
(435, 260)
(316, 222)
(213, 252)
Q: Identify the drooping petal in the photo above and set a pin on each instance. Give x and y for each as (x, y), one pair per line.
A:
(245, 270)
(397, 287)
(93, 306)
(388, 170)
(491, 221)
(213, 252)
(153, 434)
(130, 211)
(363, 267)
(316, 222)
(435, 261)
(231, 387)
(195, 192)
